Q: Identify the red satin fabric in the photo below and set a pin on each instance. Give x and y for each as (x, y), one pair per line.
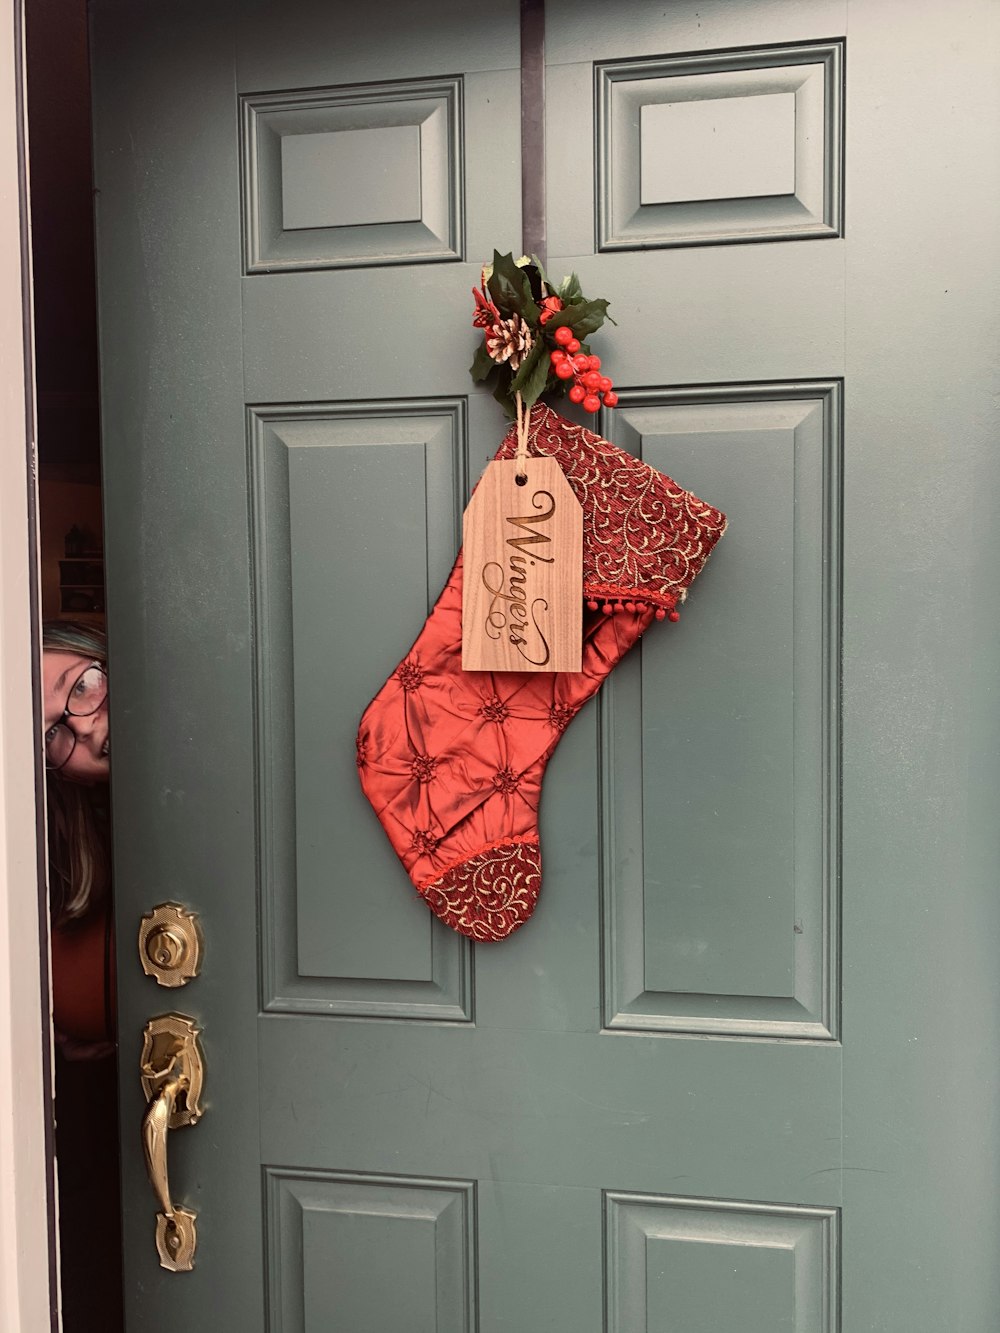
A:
(452, 761)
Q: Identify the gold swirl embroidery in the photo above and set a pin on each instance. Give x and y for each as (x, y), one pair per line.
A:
(490, 895)
(643, 530)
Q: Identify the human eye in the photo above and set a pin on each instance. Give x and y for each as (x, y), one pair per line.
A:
(90, 684)
(85, 683)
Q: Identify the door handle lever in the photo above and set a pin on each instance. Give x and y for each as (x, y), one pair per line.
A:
(154, 1136)
(172, 1071)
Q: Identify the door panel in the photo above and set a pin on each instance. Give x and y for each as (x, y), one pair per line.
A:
(756, 756)
(712, 1085)
(382, 1253)
(403, 462)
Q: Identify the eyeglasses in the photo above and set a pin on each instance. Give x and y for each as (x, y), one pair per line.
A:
(87, 693)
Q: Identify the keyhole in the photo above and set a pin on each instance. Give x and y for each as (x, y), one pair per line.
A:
(165, 949)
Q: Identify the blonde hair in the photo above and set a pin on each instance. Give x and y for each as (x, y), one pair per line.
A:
(79, 818)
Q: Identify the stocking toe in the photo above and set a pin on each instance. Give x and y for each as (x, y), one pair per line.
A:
(491, 894)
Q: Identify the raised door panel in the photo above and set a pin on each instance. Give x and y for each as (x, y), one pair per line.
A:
(338, 935)
(734, 146)
(720, 790)
(720, 1265)
(369, 174)
(361, 1254)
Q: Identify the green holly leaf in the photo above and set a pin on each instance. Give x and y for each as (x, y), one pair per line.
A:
(510, 288)
(570, 289)
(563, 316)
(526, 275)
(586, 317)
(504, 284)
(482, 364)
(535, 274)
(527, 366)
(546, 286)
(503, 396)
(502, 391)
(533, 376)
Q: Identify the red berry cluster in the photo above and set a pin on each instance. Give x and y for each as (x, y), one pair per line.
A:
(590, 387)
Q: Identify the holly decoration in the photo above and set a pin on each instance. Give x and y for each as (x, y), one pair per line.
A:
(534, 337)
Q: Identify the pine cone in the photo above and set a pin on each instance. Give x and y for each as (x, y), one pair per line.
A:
(509, 340)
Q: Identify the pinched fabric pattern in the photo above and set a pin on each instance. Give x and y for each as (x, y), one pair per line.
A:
(643, 535)
(495, 710)
(452, 761)
(490, 895)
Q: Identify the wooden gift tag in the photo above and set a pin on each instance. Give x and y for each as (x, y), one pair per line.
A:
(522, 587)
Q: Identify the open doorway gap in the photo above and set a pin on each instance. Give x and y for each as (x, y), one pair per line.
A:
(71, 587)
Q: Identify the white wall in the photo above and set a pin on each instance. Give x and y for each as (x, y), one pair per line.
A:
(24, 1231)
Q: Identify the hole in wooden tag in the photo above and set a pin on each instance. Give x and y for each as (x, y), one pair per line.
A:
(522, 586)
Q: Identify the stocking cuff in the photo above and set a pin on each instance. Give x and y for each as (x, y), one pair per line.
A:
(644, 537)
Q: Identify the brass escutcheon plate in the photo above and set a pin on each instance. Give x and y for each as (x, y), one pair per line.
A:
(170, 944)
(170, 1043)
(176, 1240)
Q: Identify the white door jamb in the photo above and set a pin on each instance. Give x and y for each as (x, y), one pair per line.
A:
(28, 1267)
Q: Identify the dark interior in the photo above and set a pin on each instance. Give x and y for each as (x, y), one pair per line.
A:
(69, 453)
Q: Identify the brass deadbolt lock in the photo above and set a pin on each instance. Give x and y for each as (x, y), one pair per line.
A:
(170, 944)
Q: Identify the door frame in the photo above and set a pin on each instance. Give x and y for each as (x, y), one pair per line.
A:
(28, 1245)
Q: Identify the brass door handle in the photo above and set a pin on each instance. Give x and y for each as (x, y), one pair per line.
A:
(154, 1138)
(172, 1071)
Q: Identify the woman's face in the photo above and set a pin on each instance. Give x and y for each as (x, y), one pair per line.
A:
(90, 760)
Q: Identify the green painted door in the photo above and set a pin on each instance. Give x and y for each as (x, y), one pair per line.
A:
(737, 1074)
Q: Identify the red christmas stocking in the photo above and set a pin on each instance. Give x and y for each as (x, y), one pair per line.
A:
(452, 760)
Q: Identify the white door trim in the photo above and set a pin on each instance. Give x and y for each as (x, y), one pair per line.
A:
(26, 1241)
